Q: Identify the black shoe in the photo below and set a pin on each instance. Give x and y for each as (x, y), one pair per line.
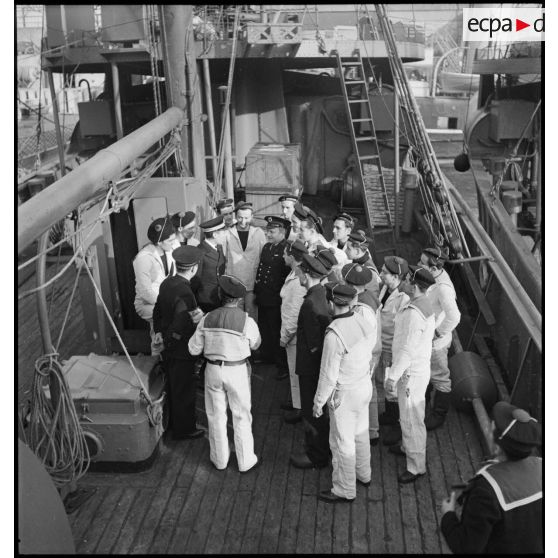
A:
(397, 450)
(293, 416)
(302, 461)
(367, 484)
(438, 415)
(257, 464)
(407, 477)
(329, 497)
(393, 435)
(374, 441)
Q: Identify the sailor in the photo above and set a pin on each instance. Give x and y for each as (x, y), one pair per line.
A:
(244, 246)
(447, 318)
(392, 300)
(174, 320)
(311, 232)
(368, 307)
(502, 509)
(409, 373)
(343, 225)
(151, 265)
(212, 264)
(226, 336)
(325, 254)
(313, 319)
(184, 224)
(292, 297)
(346, 386)
(357, 252)
(299, 213)
(271, 275)
(288, 202)
(225, 207)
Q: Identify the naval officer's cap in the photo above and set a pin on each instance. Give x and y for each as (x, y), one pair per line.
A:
(212, 225)
(340, 294)
(356, 274)
(274, 221)
(232, 286)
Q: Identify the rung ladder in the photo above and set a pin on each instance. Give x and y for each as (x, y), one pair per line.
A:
(365, 139)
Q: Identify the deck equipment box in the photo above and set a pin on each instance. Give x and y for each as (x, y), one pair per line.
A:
(119, 424)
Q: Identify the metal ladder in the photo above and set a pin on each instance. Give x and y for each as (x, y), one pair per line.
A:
(368, 138)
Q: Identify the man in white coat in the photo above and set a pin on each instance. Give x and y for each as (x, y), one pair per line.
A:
(226, 336)
(409, 373)
(151, 265)
(243, 249)
(444, 302)
(346, 387)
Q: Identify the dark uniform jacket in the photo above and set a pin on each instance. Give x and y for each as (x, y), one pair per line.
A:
(211, 267)
(171, 316)
(313, 320)
(271, 274)
(502, 511)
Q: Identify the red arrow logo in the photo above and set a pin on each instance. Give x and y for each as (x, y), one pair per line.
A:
(519, 25)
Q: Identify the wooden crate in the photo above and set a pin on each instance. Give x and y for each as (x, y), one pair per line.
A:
(273, 168)
(264, 202)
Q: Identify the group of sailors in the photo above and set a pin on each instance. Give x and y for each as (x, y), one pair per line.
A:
(323, 314)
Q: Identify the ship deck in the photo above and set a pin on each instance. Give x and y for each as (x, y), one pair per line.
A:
(183, 505)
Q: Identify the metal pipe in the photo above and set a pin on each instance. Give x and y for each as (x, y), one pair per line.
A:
(59, 139)
(396, 153)
(473, 259)
(42, 307)
(210, 117)
(229, 184)
(437, 67)
(49, 206)
(116, 98)
(485, 425)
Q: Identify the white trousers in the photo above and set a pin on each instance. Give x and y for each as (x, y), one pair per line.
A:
(411, 391)
(348, 438)
(377, 379)
(229, 384)
(295, 387)
(439, 370)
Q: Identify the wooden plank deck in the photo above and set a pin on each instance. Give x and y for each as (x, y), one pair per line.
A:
(183, 505)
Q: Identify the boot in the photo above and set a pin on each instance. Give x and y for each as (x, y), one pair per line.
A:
(393, 436)
(438, 415)
(391, 414)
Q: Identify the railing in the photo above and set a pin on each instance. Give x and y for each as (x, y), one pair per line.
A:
(511, 50)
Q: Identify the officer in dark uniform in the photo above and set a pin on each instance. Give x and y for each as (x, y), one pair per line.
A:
(502, 505)
(175, 316)
(313, 319)
(212, 264)
(270, 277)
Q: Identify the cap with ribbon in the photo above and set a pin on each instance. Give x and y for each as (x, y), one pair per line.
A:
(225, 205)
(347, 218)
(186, 256)
(396, 265)
(243, 205)
(300, 210)
(232, 286)
(212, 225)
(182, 219)
(437, 252)
(421, 276)
(313, 216)
(325, 256)
(160, 229)
(358, 238)
(516, 430)
(288, 197)
(356, 274)
(274, 221)
(340, 294)
(298, 247)
(312, 265)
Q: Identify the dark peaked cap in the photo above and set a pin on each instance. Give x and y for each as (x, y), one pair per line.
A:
(214, 224)
(232, 286)
(274, 221)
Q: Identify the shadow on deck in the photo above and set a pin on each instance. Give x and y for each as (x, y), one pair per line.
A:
(184, 505)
